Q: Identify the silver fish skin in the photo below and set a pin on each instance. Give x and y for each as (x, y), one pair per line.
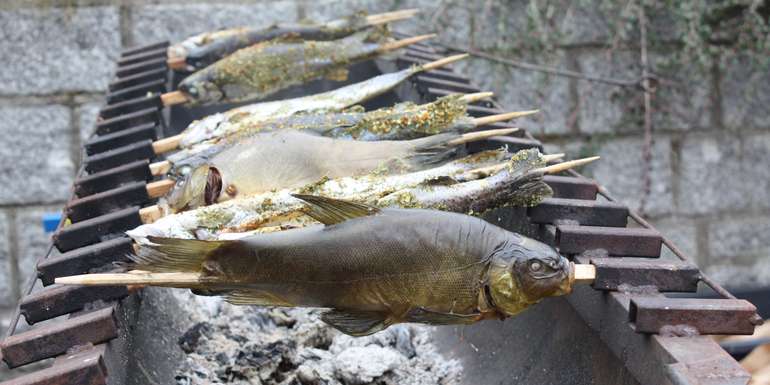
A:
(206, 48)
(225, 123)
(259, 71)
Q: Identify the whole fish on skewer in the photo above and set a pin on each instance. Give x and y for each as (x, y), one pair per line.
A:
(403, 121)
(285, 159)
(222, 124)
(370, 267)
(475, 183)
(206, 48)
(263, 69)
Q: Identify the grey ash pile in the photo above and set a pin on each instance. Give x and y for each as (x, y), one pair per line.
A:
(249, 345)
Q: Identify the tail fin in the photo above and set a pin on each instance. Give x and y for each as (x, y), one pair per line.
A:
(434, 149)
(175, 255)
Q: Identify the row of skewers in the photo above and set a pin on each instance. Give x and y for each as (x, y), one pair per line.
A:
(315, 202)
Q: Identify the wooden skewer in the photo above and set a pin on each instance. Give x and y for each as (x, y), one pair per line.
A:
(480, 135)
(552, 157)
(167, 144)
(173, 98)
(582, 273)
(566, 165)
(160, 168)
(176, 62)
(136, 278)
(150, 214)
(489, 170)
(394, 45)
(474, 97)
(159, 188)
(502, 117)
(442, 62)
(387, 17)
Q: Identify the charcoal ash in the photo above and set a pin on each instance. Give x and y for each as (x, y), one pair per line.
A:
(291, 346)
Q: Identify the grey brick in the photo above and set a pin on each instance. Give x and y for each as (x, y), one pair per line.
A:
(58, 49)
(620, 171)
(174, 22)
(585, 24)
(87, 114)
(745, 89)
(685, 99)
(608, 108)
(525, 90)
(721, 173)
(739, 240)
(32, 240)
(6, 280)
(327, 10)
(683, 233)
(36, 165)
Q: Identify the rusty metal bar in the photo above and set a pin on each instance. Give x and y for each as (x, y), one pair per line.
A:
(130, 194)
(631, 242)
(119, 156)
(138, 67)
(130, 105)
(58, 300)
(82, 368)
(142, 57)
(108, 179)
(93, 230)
(428, 81)
(54, 339)
(152, 87)
(121, 138)
(145, 48)
(584, 212)
(571, 187)
(683, 316)
(137, 79)
(479, 111)
(668, 276)
(126, 121)
(84, 259)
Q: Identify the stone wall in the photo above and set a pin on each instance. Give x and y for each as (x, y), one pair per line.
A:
(709, 180)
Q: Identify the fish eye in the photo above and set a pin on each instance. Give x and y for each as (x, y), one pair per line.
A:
(535, 266)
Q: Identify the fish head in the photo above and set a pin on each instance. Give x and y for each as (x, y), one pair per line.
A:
(195, 188)
(199, 90)
(523, 273)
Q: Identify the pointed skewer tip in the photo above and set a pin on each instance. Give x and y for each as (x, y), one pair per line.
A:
(559, 167)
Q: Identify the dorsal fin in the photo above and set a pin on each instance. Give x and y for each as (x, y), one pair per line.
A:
(330, 211)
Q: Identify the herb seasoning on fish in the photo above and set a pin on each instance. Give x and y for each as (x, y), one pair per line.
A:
(265, 68)
(371, 267)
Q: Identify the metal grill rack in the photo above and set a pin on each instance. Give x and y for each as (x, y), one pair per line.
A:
(86, 330)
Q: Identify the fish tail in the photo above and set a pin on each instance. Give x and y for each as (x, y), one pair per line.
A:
(435, 149)
(175, 255)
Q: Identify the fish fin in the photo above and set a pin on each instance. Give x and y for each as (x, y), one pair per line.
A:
(165, 255)
(425, 316)
(338, 75)
(255, 297)
(434, 149)
(331, 211)
(356, 323)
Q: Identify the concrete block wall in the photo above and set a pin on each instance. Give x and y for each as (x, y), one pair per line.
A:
(709, 190)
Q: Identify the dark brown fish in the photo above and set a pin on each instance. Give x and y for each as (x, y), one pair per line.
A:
(372, 267)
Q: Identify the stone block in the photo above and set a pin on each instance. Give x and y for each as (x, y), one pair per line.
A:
(685, 98)
(327, 10)
(724, 173)
(55, 49)
(175, 22)
(36, 165)
(606, 108)
(745, 87)
(683, 233)
(517, 89)
(620, 170)
(87, 114)
(741, 240)
(6, 277)
(32, 240)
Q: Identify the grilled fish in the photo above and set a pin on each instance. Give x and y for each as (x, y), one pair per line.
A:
(403, 121)
(371, 267)
(259, 71)
(204, 49)
(475, 183)
(222, 124)
(285, 159)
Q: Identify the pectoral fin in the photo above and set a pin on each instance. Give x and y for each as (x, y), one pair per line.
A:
(255, 297)
(339, 75)
(356, 323)
(430, 317)
(330, 211)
